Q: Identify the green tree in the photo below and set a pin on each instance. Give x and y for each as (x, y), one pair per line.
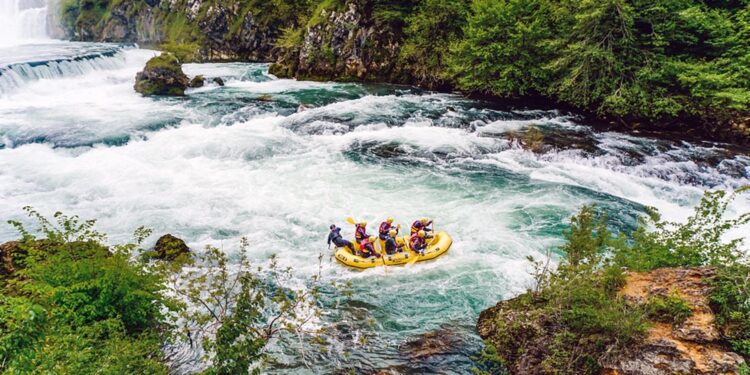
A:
(504, 48)
(429, 33)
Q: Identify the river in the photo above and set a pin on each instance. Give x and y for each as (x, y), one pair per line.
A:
(278, 160)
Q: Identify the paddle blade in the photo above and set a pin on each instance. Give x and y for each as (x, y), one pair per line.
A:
(351, 221)
(414, 260)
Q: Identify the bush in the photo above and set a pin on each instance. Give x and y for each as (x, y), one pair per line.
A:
(731, 301)
(668, 309)
(79, 306)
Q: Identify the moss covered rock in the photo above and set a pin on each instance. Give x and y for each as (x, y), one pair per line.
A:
(197, 81)
(162, 75)
(169, 247)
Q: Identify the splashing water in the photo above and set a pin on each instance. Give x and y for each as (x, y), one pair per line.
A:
(278, 161)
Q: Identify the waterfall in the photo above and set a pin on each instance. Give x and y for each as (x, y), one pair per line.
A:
(22, 21)
(78, 62)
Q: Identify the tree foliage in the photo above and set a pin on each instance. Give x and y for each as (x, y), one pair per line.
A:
(76, 305)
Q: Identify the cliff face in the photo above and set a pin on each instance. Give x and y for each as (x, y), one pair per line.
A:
(339, 42)
(693, 346)
(216, 30)
(346, 44)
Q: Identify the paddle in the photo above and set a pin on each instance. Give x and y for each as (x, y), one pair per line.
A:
(380, 251)
(351, 221)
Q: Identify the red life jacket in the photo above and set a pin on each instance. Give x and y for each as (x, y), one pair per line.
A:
(366, 246)
(385, 227)
(361, 233)
(415, 241)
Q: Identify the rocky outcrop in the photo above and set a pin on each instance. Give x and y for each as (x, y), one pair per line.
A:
(347, 44)
(223, 30)
(162, 75)
(248, 41)
(694, 346)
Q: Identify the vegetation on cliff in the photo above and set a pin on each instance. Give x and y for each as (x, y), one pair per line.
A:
(575, 317)
(70, 303)
(639, 63)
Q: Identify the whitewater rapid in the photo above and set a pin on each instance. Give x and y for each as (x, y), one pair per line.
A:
(277, 161)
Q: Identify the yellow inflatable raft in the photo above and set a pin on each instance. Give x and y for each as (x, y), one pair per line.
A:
(437, 246)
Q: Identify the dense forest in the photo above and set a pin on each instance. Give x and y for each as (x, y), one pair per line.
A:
(682, 64)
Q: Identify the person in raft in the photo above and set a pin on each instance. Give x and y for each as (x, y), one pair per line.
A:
(366, 247)
(391, 246)
(338, 240)
(421, 224)
(360, 231)
(385, 228)
(417, 242)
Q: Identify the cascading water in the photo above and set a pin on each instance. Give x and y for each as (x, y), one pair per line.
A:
(27, 54)
(22, 21)
(20, 65)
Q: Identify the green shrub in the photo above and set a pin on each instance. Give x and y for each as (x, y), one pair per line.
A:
(731, 301)
(668, 309)
(697, 242)
(76, 305)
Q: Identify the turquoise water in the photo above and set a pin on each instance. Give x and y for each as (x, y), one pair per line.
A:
(277, 161)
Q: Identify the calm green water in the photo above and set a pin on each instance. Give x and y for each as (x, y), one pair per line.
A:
(278, 161)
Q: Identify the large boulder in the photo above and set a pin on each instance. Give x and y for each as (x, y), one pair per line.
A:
(169, 248)
(162, 75)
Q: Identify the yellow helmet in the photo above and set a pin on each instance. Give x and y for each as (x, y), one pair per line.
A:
(424, 220)
(363, 223)
(372, 238)
(393, 232)
(420, 233)
(389, 220)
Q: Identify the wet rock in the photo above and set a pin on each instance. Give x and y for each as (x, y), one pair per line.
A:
(441, 341)
(169, 248)
(162, 75)
(197, 81)
(250, 41)
(218, 81)
(347, 45)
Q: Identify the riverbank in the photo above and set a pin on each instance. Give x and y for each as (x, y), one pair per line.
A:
(657, 301)
(688, 82)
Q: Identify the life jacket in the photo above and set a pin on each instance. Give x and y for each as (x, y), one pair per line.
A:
(385, 227)
(361, 233)
(391, 246)
(416, 226)
(416, 242)
(366, 247)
